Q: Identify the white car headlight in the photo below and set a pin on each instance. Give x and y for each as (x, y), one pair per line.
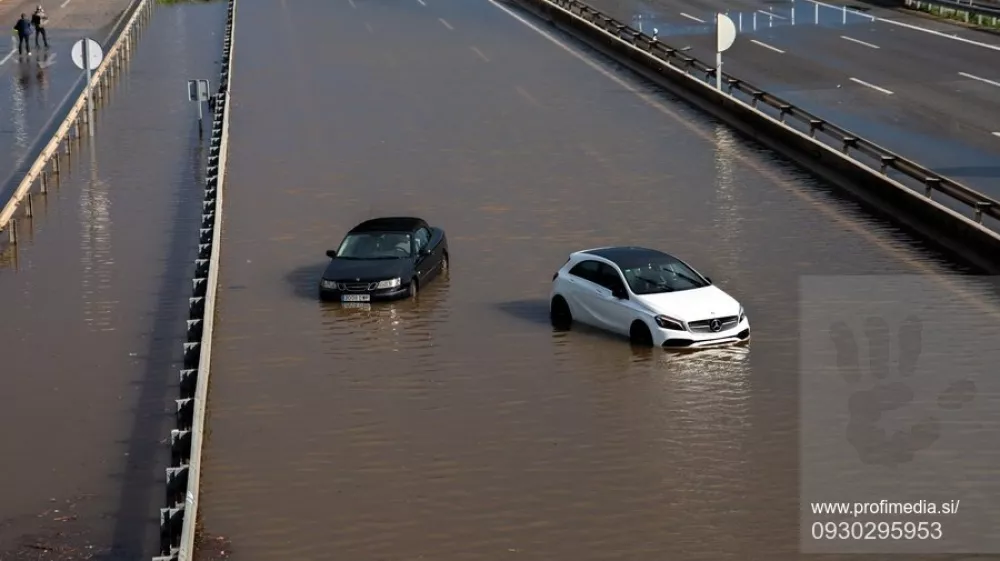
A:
(667, 322)
(743, 316)
(391, 283)
(329, 284)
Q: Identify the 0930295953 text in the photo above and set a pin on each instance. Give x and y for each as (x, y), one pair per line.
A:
(882, 529)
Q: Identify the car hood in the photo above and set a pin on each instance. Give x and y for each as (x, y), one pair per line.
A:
(367, 269)
(691, 305)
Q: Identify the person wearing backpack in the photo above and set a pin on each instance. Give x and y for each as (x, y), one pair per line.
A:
(39, 20)
(23, 28)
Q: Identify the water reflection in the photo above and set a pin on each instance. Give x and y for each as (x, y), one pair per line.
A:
(19, 83)
(95, 249)
(728, 216)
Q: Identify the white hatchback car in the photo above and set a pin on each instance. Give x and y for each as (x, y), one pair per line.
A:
(650, 296)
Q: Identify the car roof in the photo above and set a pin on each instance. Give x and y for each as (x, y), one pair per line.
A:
(627, 256)
(390, 224)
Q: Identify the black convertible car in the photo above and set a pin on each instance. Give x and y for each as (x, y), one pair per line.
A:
(384, 259)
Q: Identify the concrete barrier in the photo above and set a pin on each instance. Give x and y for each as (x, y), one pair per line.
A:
(895, 187)
(68, 133)
(178, 520)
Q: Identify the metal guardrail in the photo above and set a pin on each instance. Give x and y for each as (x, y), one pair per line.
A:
(178, 521)
(973, 12)
(49, 160)
(864, 152)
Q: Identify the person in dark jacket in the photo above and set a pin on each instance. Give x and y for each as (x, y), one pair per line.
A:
(23, 28)
(39, 20)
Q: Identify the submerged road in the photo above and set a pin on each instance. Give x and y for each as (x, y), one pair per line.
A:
(907, 85)
(93, 301)
(36, 87)
(460, 426)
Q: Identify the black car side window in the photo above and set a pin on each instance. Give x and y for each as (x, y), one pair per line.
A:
(421, 238)
(587, 270)
(610, 279)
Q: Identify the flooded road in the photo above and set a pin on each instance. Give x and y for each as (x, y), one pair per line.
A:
(460, 426)
(93, 301)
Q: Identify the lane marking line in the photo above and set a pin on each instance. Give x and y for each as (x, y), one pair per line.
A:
(910, 26)
(860, 42)
(422, 3)
(983, 80)
(771, 14)
(527, 96)
(997, 134)
(689, 16)
(446, 24)
(480, 53)
(63, 5)
(368, 26)
(351, 2)
(835, 215)
(6, 58)
(872, 86)
(766, 46)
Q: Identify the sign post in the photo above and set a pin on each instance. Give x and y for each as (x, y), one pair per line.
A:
(87, 55)
(198, 93)
(725, 35)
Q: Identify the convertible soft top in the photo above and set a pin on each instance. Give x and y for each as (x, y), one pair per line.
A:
(390, 224)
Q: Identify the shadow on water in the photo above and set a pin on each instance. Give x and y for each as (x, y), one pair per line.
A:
(535, 310)
(970, 171)
(304, 280)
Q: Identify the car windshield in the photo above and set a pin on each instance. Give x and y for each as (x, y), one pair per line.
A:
(662, 275)
(375, 245)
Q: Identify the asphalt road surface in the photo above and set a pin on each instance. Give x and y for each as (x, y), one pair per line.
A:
(908, 85)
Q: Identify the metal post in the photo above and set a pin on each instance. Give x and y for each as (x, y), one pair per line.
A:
(845, 15)
(12, 231)
(793, 12)
(42, 184)
(755, 21)
(770, 20)
(817, 13)
(90, 93)
(741, 22)
(28, 210)
(718, 71)
(200, 132)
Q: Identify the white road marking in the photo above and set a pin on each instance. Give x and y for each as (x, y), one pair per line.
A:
(766, 46)
(446, 24)
(6, 58)
(861, 230)
(771, 14)
(689, 16)
(911, 26)
(860, 42)
(983, 80)
(422, 3)
(63, 5)
(368, 26)
(527, 96)
(872, 86)
(480, 53)
(997, 134)
(351, 2)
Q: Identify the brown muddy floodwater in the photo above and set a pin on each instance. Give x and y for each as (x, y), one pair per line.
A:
(461, 427)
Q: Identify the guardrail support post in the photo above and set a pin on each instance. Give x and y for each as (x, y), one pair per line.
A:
(12, 231)
(849, 142)
(28, 210)
(980, 207)
(930, 185)
(885, 161)
(42, 184)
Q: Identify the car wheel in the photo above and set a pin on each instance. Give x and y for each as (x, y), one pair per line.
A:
(414, 288)
(639, 334)
(560, 314)
(444, 262)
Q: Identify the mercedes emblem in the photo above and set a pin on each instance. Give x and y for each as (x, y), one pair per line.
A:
(715, 325)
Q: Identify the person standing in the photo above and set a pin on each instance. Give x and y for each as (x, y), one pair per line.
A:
(39, 20)
(23, 28)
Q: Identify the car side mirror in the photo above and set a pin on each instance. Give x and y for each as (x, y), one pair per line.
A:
(331, 254)
(424, 252)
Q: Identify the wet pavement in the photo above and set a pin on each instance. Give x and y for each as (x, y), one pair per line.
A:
(37, 93)
(93, 302)
(923, 96)
(460, 426)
